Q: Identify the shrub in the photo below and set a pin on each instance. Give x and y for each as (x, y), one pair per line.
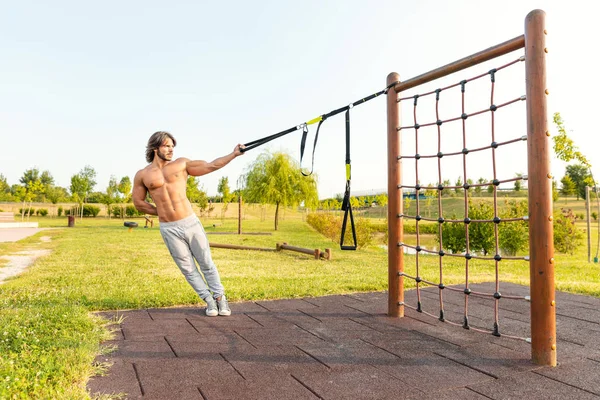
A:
(567, 238)
(116, 211)
(60, 210)
(27, 210)
(90, 210)
(595, 216)
(41, 211)
(131, 211)
(581, 216)
(513, 235)
(331, 227)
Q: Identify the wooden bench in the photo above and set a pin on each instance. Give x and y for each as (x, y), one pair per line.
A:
(6, 216)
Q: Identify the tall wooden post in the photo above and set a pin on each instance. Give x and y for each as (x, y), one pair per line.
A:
(589, 227)
(240, 213)
(395, 224)
(541, 246)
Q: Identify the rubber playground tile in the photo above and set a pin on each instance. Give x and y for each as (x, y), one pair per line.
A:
(401, 347)
(121, 379)
(492, 360)
(530, 385)
(365, 383)
(247, 307)
(333, 301)
(156, 374)
(349, 354)
(285, 305)
(278, 337)
(266, 363)
(207, 335)
(591, 317)
(159, 314)
(148, 329)
(285, 388)
(433, 372)
(450, 333)
(133, 351)
(584, 374)
(335, 323)
(207, 350)
(220, 323)
(566, 351)
(449, 394)
(277, 320)
(341, 335)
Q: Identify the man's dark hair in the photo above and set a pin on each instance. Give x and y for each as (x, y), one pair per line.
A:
(155, 141)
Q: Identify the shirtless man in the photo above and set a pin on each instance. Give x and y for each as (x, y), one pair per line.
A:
(180, 228)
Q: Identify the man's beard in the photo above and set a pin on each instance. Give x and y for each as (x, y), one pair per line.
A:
(161, 156)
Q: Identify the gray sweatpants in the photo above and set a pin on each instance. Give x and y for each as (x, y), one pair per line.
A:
(186, 241)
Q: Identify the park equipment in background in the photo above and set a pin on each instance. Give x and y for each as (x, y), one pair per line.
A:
(541, 248)
(317, 253)
(130, 225)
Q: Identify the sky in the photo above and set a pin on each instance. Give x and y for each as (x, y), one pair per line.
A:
(87, 83)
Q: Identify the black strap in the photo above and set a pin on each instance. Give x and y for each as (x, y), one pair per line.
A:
(303, 145)
(261, 141)
(346, 206)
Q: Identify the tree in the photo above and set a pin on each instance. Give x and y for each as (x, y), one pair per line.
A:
(382, 200)
(518, 182)
(4, 189)
(275, 178)
(43, 181)
(478, 188)
(554, 191)
(513, 235)
(568, 186)
(580, 175)
(564, 147)
(125, 188)
(110, 196)
(224, 190)
(195, 193)
(56, 194)
(459, 183)
(83, 184)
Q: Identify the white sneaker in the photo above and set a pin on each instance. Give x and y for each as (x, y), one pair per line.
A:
(211, 307)
(223, 306)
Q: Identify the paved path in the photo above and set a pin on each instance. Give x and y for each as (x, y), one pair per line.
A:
(345, 347)
(16, 234)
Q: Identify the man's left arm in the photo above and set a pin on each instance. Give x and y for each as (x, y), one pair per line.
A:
(200, 167)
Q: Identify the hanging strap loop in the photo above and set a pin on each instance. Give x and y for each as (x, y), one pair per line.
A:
(346, 206)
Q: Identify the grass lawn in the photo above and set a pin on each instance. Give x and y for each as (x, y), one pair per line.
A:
(49, 336)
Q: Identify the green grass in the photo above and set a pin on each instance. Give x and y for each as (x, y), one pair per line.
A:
(49, 336)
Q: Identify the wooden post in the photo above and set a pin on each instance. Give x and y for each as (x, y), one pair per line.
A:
(328, 254)
(395, 224)
(589, 228)
(240, 214)
(541, 245)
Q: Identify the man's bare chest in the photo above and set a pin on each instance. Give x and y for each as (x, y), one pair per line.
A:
(158, 178)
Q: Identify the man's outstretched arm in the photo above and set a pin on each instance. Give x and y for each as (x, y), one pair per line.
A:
(199, 167)
(139, 196)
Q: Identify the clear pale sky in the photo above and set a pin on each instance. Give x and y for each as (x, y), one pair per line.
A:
(86, 83)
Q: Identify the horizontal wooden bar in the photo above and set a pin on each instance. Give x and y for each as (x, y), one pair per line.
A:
(477, 58)
(236, 247)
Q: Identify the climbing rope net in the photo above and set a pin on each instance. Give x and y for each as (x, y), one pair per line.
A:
(465, 153)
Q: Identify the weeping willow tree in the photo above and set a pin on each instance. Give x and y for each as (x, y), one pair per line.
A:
(275, 178)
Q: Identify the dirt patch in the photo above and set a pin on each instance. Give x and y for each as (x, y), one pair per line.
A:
(18, 262)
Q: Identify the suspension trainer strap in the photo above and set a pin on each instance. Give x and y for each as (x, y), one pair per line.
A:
(261, 141)
(303, 143)
(346, 207)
